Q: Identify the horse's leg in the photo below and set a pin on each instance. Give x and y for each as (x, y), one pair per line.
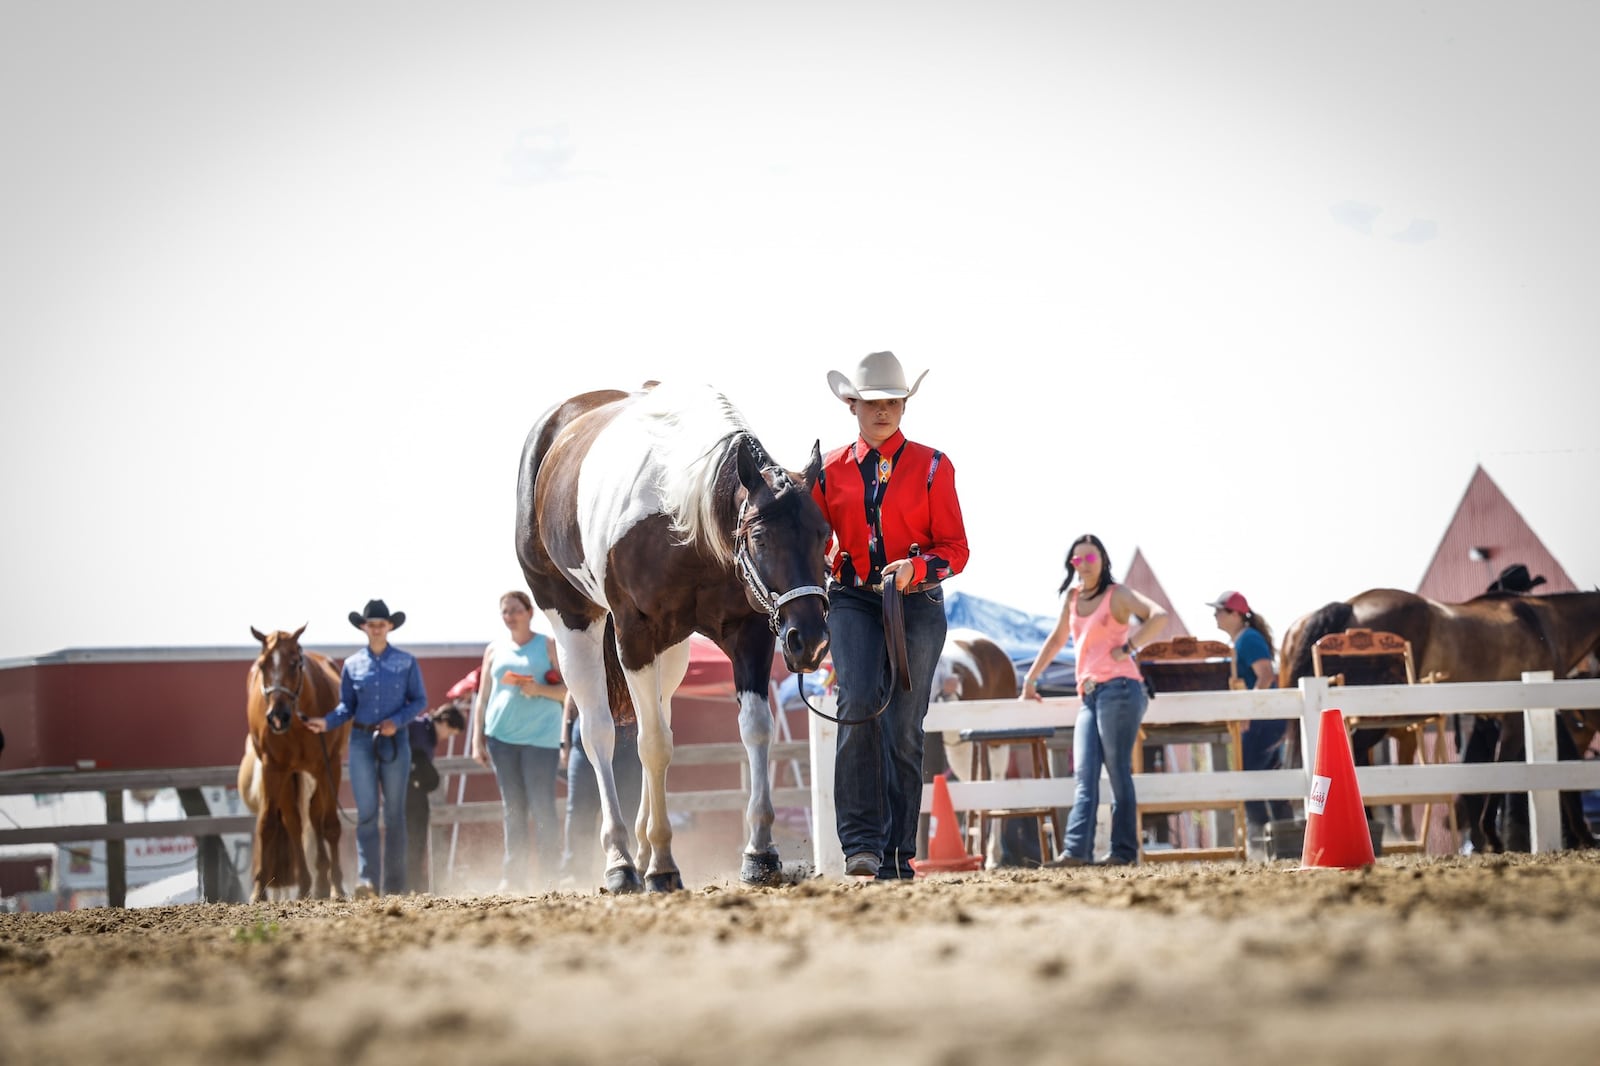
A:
(260, 871)
(1405, 754)
(761, 865)
(273, 865)
(1574, 828)
(1513, 748)
(327, 818)
(1361, 745)
(583, 668)
(1473, 807)
(294, 824)
(316, 855)
(652, 689)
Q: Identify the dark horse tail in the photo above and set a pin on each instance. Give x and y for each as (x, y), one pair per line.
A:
(1334, 618)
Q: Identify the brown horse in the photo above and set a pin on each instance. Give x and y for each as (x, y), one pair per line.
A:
(1494, 637)
(642, 518)
(290, 776)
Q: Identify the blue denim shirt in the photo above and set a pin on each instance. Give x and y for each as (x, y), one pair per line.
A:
(375, 687)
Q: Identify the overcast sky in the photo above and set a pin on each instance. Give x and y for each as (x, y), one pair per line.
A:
(1250, 286)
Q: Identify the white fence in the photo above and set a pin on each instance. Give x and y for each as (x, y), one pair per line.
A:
(1536, 696)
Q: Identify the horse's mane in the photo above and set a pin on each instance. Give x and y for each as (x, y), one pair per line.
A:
(693, 430)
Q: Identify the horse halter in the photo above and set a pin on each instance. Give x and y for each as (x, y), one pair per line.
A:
(768, 600)
(293, 694)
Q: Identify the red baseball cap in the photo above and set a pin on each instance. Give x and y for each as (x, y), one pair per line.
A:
(1232, 601)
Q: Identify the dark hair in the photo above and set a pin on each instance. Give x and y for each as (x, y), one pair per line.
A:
(1259, 624)
(520, 596)
(1105, 565)
(451, 716)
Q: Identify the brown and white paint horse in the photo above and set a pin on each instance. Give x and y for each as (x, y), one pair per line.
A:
(289, 776)
(644, 517)
(971, 667)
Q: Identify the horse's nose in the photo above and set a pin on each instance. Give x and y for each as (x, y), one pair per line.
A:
(803, 654)
(278, 720)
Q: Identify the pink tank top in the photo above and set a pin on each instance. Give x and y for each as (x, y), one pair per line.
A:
(1095, 638)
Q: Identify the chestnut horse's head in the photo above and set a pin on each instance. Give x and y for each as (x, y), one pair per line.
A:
(281, 670)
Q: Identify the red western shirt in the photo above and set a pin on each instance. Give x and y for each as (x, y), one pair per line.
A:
(912, 489)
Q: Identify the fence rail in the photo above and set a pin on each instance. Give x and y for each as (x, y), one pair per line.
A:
(1536, 697)
(39, 782)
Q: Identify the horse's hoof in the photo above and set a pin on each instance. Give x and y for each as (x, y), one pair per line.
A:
(666, 881)
(623, 881)
(765, 869)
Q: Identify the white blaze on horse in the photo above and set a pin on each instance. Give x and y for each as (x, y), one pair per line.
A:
(289, 776)
(642, 518)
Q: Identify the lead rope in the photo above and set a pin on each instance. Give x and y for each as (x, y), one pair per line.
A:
(894, 635)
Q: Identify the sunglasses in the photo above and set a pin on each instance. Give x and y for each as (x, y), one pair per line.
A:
(1086, 557)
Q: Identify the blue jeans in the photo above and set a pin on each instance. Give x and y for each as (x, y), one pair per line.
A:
(527, 778)
(380, 764)
(877, 784)
(581, 858)
(1107, 729)
(1263, 750)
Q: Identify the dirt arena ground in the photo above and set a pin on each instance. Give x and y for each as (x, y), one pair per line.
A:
(1486, 959)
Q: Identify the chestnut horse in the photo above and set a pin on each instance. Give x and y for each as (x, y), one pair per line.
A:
(1494, 637)
(642, 518)
(289, 776)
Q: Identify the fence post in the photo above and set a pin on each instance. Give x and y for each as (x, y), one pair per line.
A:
(1314, 697)
(1544, 808)
(116, 854)
(823, 736)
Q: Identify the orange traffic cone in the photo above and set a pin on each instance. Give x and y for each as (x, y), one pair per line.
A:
(945, 851)
(1336, 822)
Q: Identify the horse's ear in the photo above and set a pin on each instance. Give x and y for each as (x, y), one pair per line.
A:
(302, 629)
(750, 456)
(814, 464)
(262, 637)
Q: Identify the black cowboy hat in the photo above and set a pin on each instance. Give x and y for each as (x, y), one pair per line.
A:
(377, 609)
(1515, 578)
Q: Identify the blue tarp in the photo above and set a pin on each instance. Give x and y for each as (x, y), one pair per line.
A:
(1019, 633)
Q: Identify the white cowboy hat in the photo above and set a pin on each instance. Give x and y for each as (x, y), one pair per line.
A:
(877, 377)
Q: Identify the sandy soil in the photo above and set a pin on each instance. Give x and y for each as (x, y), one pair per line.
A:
(1473, 960)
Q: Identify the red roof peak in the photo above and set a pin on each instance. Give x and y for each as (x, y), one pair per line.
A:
(1486, 535)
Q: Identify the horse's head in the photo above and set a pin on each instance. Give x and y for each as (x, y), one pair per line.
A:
(781, 553)
(281, 666)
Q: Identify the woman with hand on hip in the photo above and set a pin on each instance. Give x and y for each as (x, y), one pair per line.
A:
(516, 730)
(1108, 623)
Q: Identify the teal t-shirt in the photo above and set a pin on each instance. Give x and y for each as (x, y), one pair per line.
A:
(513, 718)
